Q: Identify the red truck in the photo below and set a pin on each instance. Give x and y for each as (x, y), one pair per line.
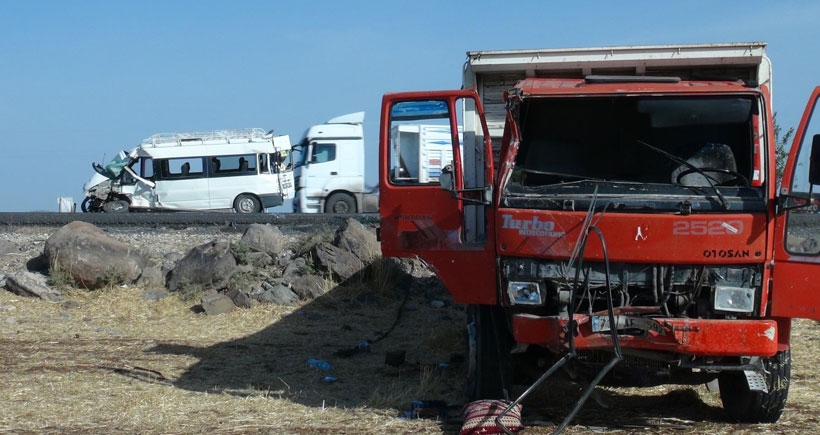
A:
(616, 211)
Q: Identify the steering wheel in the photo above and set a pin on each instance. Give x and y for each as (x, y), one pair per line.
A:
(737, 179)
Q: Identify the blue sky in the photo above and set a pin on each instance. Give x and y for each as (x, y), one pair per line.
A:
(80, 80)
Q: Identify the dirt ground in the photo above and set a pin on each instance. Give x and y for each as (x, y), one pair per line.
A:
(111, 361)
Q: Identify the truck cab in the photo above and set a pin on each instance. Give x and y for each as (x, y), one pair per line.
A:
(617, 210)
(329, 168)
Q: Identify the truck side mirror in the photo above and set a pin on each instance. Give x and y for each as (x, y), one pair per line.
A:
(447, 179)
(814, 160)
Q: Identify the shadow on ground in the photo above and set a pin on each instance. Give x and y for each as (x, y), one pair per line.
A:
(330, 328)
(274, 361)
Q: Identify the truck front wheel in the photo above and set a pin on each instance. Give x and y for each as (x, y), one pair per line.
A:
(489, 367)
(747, 406)
(340, 203)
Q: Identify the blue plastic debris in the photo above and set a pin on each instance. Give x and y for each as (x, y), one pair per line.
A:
(319, 364)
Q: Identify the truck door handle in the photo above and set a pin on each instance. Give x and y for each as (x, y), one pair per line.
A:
(334, 173)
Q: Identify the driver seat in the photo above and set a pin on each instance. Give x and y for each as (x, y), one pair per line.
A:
(712, 155)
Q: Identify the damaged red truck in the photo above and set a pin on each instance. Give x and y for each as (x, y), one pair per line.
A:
(616, 211)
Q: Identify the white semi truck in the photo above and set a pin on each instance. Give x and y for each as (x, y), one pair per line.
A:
(329, 163)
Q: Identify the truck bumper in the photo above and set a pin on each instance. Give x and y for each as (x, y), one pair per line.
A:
(700, 337)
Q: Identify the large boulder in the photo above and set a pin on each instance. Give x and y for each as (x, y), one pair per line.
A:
(263, 238)
(340, 263)
(208, 266)
(354, 237)
(92, 257)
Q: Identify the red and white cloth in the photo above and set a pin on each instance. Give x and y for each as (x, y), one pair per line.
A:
(479, 417)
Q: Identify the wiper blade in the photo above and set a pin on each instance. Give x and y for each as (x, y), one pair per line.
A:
(561, 174)
(681, 161)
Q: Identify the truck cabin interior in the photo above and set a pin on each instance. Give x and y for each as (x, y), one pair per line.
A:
(660, 144)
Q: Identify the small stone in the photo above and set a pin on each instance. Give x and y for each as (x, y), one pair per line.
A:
(11, 320)
(154, 295)
(437, 304)
(68, 305)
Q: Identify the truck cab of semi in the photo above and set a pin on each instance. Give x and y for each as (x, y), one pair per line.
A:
(329, 168)
(617, 210)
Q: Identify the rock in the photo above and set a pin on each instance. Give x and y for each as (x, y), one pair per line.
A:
(295, 269)
(151, 278)
(215, 304)
(260, 259)
(240, 299)
(263, 238)
(437, 304)
(32, 285)
(91, 257)
(209, 265)
(69, 305)
(352, 236)
(279, 295)
(308, 287)
(154, 295)
(341, 263)
(7, 247)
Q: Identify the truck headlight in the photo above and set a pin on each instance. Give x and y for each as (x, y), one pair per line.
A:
(524, 293)
(736, 299)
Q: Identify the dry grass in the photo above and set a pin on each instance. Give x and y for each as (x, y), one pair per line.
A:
(118, 363)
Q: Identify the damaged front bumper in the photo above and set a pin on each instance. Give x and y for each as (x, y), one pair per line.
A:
(698, 337)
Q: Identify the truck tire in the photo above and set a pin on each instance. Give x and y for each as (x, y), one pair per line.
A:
(489, 367)
(746, 406)
(116, 206)
(340, 203)
(246, 204)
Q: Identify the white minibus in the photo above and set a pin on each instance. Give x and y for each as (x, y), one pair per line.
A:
(246, 171)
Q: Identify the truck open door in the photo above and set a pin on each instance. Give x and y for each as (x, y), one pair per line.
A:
(796, 277)
(435, 191)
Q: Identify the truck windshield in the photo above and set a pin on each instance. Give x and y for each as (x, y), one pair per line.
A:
(674, 148)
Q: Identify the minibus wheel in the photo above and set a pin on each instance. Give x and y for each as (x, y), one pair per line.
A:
(246, 204)
(117, 206)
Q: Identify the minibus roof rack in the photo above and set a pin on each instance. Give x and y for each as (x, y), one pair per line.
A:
(206, 137)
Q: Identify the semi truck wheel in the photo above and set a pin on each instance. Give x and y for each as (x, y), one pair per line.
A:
(489, 367)
(340, 203)
(746, 406)
(246, 204)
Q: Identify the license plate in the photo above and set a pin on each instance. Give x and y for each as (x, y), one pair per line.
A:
(601, 324)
